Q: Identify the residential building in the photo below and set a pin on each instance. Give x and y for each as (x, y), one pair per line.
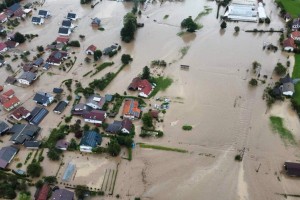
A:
(32, 144)
(14, 10)
(57, 57)
(90, 50)
(27, 78)
(287, 86)
(80, 109)
(113, 48)
(124, 126)
(62, 39)
(296, 24)
(11, 44)
(10, 80)
(44, 13)
(295, 35)
(3, 47)
(72, 16)
(6, 155)
(37, 115)
(96, 117)
(2, 62)
(38, 62)
(96, 22)
(8, 100)
(62, 145)
(90, 140)
(3, 127)
(292, 168)
(37, 20)
(43, 98)
(67, 24)
(20, 113)
(57, 90)
(289, 44)
(60, 107)
(62, 194)
(43, 192)
(131, 109)
(64, 31)
(3, 17)
(95, 101)
(142, 85)
(23, 132)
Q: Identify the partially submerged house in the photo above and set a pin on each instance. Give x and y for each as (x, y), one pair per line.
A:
(80, 109)
(90, 140)
(295, 35)
(10, 80)
(62, 39)
(27, 78)
(72, 16)
(37, 115)
(3, 47)
(43, 98)
(38, 62)
(113, 48)
(3, 17)
(142, 85)
(67, 24)
(57, 57)
(96, 22)
(9, 101)
(131, 109)
(124, 126)
(287, 86)
(43, 192)
(95, 101)
(37, 20)
(3, 127)
(64, 31)
(62, 194)
(60, 107)
(62, 145)
(6, 155)
(296, 24)
(32, 144)
(23, 132)
(57, 90)
(20, 113)
(289, 45)
(11, 44)
(44, 13)
(96, 117)
(15, 10)
(292, 168)
(90, 50)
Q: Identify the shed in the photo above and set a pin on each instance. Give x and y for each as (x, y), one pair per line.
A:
(32, 144)
(57, 90)
(292, 168)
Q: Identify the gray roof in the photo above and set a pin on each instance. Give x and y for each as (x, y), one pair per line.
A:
(58, 90)
(36, 19)
(29, 76)
(63, 30)
(286, 79)
(23, 132)
(96, 20)
(43, 12)
(60, 107)
(3, 127)
(288, 87)
(115, 127)
(42, 97)
(61, 144)
(38, 61)
(93, 100)
(91, 138)
(71, 16)
(37, 115)
(6, 155)
(66, 23)
(62, 194)
(32, 144)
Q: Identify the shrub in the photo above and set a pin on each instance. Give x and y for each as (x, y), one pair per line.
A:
(126, 58)
(238, 157)
(223, 25)
(237, 29)
(34, 169)
(19, 165)
(253, 82)
(280, 70)
(74, 43)
(267, 20)
(187, 127)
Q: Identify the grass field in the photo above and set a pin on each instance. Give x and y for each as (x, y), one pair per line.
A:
(161, 85)
(148, 146)
(278, 126)
(291, 6)
(296, 74)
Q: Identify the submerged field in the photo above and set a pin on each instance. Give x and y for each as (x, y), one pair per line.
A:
(291, 6)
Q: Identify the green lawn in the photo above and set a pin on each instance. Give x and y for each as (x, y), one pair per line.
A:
(148, 146)
(278, 126)
(291, 6)
(161, 84)
(296, 74)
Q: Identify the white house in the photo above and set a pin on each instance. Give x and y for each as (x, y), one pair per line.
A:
(37, 20)
(27, 78)
(64, 31)
(95, 116)
(90, 140)
(289, 44)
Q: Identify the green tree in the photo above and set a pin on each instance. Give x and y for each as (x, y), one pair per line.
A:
(130, 26)
(223, 25)
(73, 145)
(189, 24)
(113, 148)
(126, 58)
(54, 154)
(280, 70)
(147, 120)
(267, 20)
(40, 48)
(146, 73)
(50, 179)
(97, 55)
(39, 184)
(20, 38)
(253, 82)
(34, 169)
(80, 191)
(237, 29)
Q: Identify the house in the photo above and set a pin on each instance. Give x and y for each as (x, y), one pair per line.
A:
(3, 17)
(20, 113)
(62, 194)
(67, 24)
(37, 115)
(95, 101)
(131, 109)
(44, 13)
(62, 39)
(292, 168)
(9, 101)
(43, 98)
(10, 80)
(142, 85)
(64, 31)
(60, 107)
(296, 24)
(287, 85)
(109, 98)
(57, 90)
(295, 35)
(14, 10)
(57, 46)
(32, 144)
(94, 116)
(28, 67)
(72, 16)
(3, 127)
(37, 20)
(154, 114)
(43, 192)
(57, 57)
(96, 22)
(6, 155)
(90, 50)
(289, 45)
(46, 66)
(113, 48)
(3, 47)
(38, 62)
(62, 145)
(11, 36)
(2, 62)
(27, 78)
(287, 17)
(23, 132)
(80, 109)
(124, 126)
(11, 44)
(90, 140)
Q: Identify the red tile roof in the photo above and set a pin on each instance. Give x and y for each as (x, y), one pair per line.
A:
(91, 48)
(145, 86)
(62, 39)
(134, 83)
(2, 16)
(43, 193)
(20, 112)
(2, 46)
(295, 35)
(98, 115)
(289, 43)
(8, 93)
(131, 108)
(11, 102)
